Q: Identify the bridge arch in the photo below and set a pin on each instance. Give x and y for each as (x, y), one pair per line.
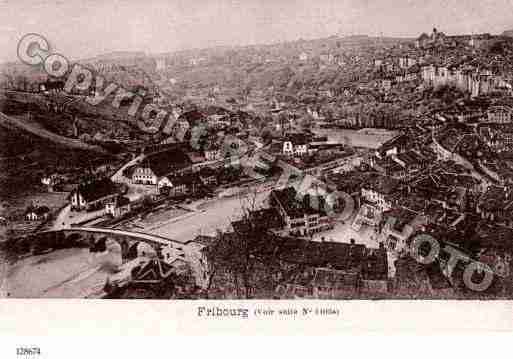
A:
(130, 244)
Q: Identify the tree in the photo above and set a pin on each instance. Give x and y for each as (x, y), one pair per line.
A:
(248, 259)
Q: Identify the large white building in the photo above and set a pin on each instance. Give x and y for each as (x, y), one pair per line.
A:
(161, 64)
(379, 192)
(470, 80)
(296, 145)
(300, 217)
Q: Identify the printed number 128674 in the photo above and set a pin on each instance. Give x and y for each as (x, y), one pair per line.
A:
(28, 351)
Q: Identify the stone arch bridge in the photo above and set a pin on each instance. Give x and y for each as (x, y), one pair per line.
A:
(96, 239)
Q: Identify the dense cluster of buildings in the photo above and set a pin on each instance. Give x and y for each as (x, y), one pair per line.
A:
(474, 81)
(447, 173)
(457, 196)
(309, 269)
(438, 38)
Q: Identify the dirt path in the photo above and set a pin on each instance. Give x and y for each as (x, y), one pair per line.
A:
(39, 131)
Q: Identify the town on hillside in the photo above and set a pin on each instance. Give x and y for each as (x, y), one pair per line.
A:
(347, 167)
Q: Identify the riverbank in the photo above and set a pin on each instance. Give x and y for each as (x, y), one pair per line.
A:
(366, 138)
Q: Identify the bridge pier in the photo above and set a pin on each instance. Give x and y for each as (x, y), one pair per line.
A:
(125, 248)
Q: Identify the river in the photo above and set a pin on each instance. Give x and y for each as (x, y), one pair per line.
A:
(65, 273)
(77, 273)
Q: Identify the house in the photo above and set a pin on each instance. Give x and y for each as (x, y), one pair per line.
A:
(52, 181)
(387, 167)
(144, 174)
(93, 194)
(373, 288)
(315, 112)
(208, 176)
(161, 64)
(326, 146)
(37, 213)
(396, 145)
(295, 145)
(333, 270)
(478, 41)
(496, 250)
(191, 119)
(51, 86)
(212, 153)
(406, 62)
(118, 206)
(500, 114)
(496, 204)
(436, 38)
(331, 283)
(314, 269)
(386, 85)
(302, 217)
(185, 184)
(400, 224)
(449, 191)
(411, 162)
(157, 165)
(218, 121)
(379, 192)
(367, 215)
(263, 220)
(497, 136)
(198, 160)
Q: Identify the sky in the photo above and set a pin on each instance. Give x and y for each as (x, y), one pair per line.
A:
(85, 28)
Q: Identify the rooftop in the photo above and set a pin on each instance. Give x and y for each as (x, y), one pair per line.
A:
(383, 184)
(296, 207)
(96, 189)
(166, 162)
(267, 218)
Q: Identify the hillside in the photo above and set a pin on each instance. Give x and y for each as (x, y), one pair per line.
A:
(25, 157)
(36, 129)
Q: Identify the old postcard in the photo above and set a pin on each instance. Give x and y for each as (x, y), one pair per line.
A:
(337, 163)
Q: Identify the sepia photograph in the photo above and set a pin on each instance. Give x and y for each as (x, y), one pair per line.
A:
(352, 151)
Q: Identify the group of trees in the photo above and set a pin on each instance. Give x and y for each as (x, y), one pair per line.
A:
(245, 264)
